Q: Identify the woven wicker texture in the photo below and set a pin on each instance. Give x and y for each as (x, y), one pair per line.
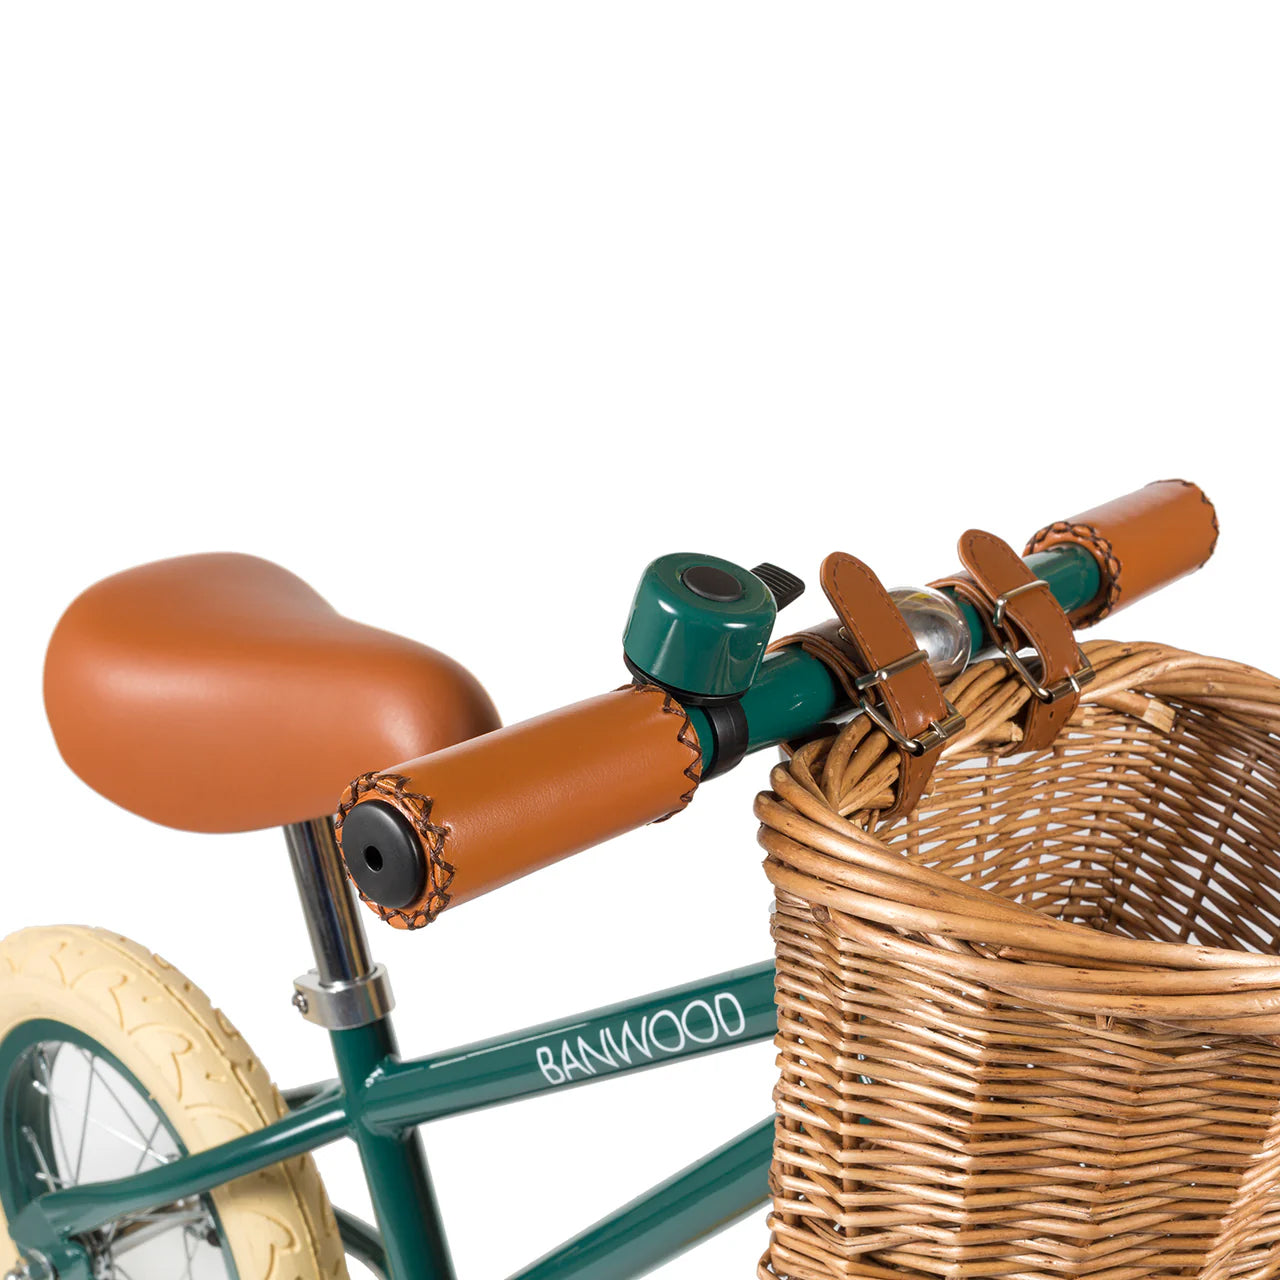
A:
(1032, 1029)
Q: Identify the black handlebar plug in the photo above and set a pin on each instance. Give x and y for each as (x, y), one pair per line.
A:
(384, 855)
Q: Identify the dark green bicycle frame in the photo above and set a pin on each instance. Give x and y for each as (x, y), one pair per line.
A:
(379, 1101)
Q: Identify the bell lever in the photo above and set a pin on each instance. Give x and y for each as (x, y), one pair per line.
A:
(784, 585)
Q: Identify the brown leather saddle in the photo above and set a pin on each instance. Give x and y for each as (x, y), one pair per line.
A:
(221, 693)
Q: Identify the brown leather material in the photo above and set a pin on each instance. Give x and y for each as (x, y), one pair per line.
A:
(497, 808)
(221, 693)
(869, 634)
(1036, 619)
(1141, 542)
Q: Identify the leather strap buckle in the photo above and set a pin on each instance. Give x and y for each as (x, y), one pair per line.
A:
(1068, 687)
(1019, 611)
(1002, 601)
(901, 697)
(931, 738)
(1008, 640)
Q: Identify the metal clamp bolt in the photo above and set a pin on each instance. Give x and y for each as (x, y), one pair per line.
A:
(343, 1006)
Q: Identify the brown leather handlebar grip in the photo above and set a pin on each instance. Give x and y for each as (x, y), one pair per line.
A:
(1141, 542)
(497, 807)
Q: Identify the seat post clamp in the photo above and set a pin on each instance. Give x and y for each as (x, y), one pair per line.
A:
(344, 1006)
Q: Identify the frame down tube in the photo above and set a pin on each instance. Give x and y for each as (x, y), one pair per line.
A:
(390, 1099)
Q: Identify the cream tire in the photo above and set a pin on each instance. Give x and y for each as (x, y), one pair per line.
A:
(200, 1073)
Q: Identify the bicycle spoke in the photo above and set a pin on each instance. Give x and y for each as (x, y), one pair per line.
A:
(75, 1157)
(84, 1124)
(169, 1214)
(188, 1246)
(46, 1174)
(42, 1061)
(128, 1115)
(137, 1168)
(132, 1232)
(106, 1128)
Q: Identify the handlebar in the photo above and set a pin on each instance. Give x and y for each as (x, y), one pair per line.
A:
(455, 824)
(462, 821)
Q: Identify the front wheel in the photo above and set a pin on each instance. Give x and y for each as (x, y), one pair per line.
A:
(112, 1063)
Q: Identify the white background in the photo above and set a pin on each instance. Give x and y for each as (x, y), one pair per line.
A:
(465, 311)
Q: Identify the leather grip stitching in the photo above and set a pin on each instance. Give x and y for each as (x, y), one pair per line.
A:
(394, 787)
(1094, 541)
(1213, 516)
(686, 736)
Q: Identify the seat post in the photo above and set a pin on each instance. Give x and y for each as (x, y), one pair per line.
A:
(336, 929)
(350, 996)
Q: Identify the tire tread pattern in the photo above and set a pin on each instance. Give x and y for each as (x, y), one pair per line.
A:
(200, 1071)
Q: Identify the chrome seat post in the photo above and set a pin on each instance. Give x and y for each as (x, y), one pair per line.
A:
(346, 989)
(337, 932)
(350, 996)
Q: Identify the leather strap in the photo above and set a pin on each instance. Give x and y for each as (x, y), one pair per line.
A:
(871, 651)
(1020, 612)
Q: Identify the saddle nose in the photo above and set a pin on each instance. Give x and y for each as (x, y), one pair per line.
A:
(222, 693)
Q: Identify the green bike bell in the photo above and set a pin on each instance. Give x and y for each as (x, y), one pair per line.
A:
(699, 625)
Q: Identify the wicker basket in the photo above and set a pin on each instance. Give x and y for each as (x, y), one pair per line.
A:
(1032, 1030)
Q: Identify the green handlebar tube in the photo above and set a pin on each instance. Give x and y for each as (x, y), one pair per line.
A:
(793, 692)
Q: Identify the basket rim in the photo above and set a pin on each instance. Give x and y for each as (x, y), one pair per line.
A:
(870, 892)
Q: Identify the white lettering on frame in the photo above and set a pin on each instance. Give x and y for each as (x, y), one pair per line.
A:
(662, 1034)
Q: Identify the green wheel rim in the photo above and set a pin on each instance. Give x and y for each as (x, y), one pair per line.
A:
(35, 1153)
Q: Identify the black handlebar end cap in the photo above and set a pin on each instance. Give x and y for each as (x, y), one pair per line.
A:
(384, 855)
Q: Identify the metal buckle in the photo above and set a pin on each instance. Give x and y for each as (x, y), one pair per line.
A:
(1008, 642)
(881, 674)
(1002, 602)
(1073, 683)
(933, 737)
